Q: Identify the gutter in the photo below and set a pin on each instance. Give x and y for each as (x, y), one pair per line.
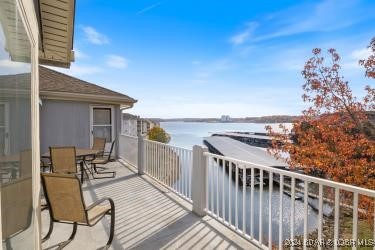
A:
(52, 95)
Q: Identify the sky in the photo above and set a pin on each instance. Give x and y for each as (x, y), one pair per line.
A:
(194, 58)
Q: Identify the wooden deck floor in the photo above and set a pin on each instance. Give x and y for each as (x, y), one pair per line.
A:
(148, 216)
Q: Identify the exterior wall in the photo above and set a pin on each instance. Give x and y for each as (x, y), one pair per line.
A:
(67, 123)
(129, 127)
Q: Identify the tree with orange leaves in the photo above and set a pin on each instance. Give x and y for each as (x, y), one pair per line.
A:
(334, 138)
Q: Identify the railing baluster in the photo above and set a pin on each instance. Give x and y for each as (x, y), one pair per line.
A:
(170, 166)
(179, 172)
(230, 193)
(165, 166)
(355, 219)
(337, 217)
(185, 172)
(244, 199)
(252, 203)
(190, 172)
(174, 169)
(292, 210)
(281, 211)
(217, 188)
(208, 159)
(154, 161)
(270, 190)
(160, 147)
(261, 207)
(320, 215)
(236, 197)
(223, 190)
(212, 185)
(305, 213)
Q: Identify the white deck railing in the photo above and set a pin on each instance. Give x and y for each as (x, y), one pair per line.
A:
(329, 195)
(270, 207)
(169, 165)
(128, 149)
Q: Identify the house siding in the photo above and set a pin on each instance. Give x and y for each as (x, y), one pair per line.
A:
(67, 123)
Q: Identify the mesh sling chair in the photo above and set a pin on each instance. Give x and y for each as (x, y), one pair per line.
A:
(99, 144)
(106, 158)
(65, 199)
(63, 160)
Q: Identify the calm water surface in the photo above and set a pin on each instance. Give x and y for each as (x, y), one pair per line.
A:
(187, 134)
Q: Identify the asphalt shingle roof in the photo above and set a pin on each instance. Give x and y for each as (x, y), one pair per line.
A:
(51, 80)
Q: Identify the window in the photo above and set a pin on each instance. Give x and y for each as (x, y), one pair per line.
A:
(102, 123)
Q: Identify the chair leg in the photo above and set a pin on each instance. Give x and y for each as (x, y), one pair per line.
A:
(95, 170)
(48, 235)
(65, 243)
(112, 230)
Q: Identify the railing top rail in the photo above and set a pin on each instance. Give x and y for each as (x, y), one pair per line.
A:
(131, 136)
(343, 186)
(164, 144)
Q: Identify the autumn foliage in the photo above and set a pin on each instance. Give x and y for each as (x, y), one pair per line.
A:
(158, 134)
(334, 139)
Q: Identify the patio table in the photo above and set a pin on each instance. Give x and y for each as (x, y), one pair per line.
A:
(81, 155)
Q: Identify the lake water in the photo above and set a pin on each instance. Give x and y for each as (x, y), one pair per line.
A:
(187, 134)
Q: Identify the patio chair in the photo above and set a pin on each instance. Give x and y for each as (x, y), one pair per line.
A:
(25, 163)
(63, 160)
(16, 209)
(65, 200)
(99, 144)
(106, 158)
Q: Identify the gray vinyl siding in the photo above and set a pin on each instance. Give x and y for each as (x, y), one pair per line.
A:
(67, 123)
(19, 124)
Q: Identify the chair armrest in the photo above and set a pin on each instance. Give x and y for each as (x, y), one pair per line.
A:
(94, 204)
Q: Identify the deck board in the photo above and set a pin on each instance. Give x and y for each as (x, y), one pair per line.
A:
(148, 216)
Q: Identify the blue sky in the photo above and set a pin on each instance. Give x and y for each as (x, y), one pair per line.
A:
(182, 58)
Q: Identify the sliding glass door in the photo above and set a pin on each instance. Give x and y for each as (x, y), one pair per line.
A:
(17, 213)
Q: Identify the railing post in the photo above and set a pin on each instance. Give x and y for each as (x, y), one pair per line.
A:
(199, 181)
(140, 154)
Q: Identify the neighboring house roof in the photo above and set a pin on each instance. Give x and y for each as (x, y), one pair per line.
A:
(56, 85)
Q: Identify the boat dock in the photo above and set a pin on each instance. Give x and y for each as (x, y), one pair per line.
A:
(252, 139)
(229, 147)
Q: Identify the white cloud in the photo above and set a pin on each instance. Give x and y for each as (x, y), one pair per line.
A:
(243, 36)
(94, 37)
(148, 8)
(78, 54)
(359, 54)
(354, 57)
(323, 16)
(117, 62)
(196, 62)
(8, 67)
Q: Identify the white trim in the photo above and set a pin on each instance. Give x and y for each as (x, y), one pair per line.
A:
(113, 121)
(99, 99)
